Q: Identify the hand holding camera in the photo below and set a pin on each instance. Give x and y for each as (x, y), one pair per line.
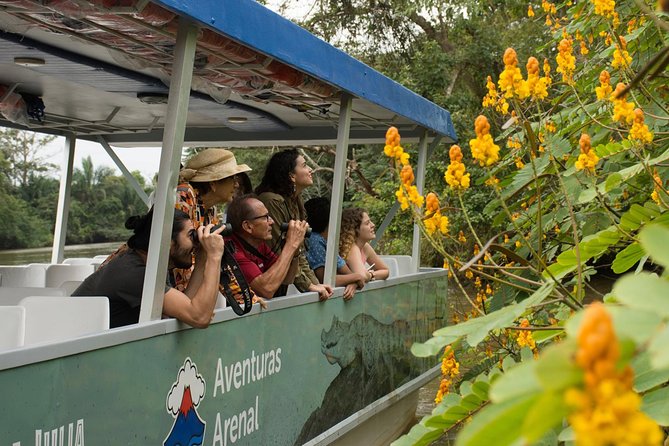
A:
(295, 231)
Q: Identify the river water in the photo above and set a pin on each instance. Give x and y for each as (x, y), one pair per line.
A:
(43, 255)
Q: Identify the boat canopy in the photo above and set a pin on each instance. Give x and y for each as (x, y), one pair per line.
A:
(101, 68)
(200, 73)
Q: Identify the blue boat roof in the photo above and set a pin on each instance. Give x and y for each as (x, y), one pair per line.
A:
(258, 78)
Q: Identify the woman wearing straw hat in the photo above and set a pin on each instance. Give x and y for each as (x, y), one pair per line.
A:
(206, 180)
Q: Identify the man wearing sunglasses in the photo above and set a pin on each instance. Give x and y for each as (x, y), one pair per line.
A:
(264, 270)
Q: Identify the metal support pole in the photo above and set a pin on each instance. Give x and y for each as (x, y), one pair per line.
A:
(126, 173)
(170, 157)
(337, 200)
(420, 184)
(396, 205)
(63, 209)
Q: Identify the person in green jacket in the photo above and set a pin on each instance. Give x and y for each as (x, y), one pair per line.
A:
(280, 190)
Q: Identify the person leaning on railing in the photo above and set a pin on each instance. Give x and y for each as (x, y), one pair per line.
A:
(280, 190)
(318, 216)
(121, 279)
(264, 270)
(357, 230)
(208, 179)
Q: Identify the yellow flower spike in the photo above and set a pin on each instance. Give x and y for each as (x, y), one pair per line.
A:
(623, 111)
(536, 85)
(525, 338)
(461, 237)
(455, 175)
(605, 8)
(511, 81)
(587, 159)
(584, 48)
(443, 224)
(530, 11)
(639, 130)
(484, 150)
(604, 90)
(606, 410)
(406, 174)
(621, 58)
(566, 60)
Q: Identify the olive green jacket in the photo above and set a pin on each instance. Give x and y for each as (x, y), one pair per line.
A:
(283, 210)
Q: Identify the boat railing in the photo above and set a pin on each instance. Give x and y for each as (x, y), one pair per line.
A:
(43, 349)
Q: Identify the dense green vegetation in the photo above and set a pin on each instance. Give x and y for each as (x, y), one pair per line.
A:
(101, 201)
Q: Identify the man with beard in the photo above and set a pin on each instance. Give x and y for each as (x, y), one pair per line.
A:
(264, 270)
(121, 279)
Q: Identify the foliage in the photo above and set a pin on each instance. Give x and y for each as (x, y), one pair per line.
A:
(576, 163)
(100, 201)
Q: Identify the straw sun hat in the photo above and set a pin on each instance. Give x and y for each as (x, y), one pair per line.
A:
(211, 165)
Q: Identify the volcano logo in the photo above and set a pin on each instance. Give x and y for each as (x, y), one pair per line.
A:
(182, 400)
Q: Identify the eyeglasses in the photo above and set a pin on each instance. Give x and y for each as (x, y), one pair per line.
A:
(266, 217)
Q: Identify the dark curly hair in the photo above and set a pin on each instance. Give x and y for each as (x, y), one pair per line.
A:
(318, 213)
(277, 173)
(141, 226)
(351, 219)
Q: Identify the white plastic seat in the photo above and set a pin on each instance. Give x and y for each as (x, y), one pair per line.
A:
(51, 319)
(12, 327)
(292, 290)
(393, 268)
(78, 261)
(403, 265)
(24, 275)
(13, 295)
(57, 275)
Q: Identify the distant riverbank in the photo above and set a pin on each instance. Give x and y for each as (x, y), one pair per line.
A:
(43, 255)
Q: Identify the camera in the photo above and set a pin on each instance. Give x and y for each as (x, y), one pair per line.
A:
(226, 231)
(284, 228)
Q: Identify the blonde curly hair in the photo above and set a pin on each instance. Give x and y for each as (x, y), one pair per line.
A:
(351, 219)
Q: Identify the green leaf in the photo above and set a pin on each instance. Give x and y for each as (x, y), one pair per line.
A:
(546, 413)
(655, 240)
(556, 369)
(478, 328)
(498, 424)
(658, 350)
(646, 374)
(612, 181)
(481, 389)
(644, 291)
(627, 258)
(638, 325)
(517, 382)
(419, 435)
(567, 434)
(432, 346)
(655, 404)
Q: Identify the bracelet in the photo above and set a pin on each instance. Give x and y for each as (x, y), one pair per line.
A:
(372, 273)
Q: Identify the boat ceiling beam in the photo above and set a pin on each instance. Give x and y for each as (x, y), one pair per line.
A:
(170, 158)
(337, 198)
(64, 196)
(126, 173)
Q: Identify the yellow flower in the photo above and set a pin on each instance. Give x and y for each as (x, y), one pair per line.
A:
(566, 60)
(658, 188)
(530, 11)
(605, 8)
(511, 79)
(604, 90)
(484, 150)
(450, 368)
(623, 111)
(639, 130)
(461, 237)
(621, 58)
(455, 175)
(587, 159)
(584, 48)
(606, 410)
(537, 86)
(525, 338)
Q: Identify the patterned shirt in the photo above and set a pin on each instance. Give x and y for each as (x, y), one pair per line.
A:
(317, 252)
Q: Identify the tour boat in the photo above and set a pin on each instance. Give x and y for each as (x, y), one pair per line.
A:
(175, 73)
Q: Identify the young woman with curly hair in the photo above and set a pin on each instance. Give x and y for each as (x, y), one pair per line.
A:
(280, 190)
(357, 230)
